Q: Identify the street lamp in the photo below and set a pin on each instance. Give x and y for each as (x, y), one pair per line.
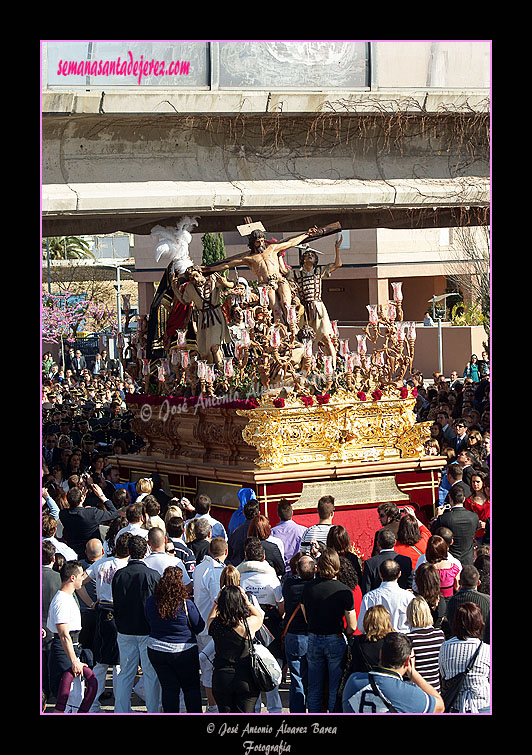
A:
(434, 299)
(117, 286)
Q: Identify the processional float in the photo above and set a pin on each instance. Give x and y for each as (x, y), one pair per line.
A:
(276, 395)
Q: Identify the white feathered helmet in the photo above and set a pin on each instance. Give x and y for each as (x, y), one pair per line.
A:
(172, 243)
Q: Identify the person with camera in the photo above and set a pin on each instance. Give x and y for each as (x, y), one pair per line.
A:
(82, 523)
(462, 523)
(394, 685)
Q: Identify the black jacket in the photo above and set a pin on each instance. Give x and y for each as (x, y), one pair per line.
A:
(82, 524)
(235, 544)
(131, 587)
(470, 596)
(464, 525)
(272, 555)
(371, 579)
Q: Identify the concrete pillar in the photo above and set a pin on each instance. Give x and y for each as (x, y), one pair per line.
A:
(379, 292)
(146, 292)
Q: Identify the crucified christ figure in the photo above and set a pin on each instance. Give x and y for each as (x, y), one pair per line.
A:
(267, 263)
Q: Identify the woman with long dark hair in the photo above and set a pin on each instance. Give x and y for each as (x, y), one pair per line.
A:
(231, 617)
(479, 501)
(339, 539)
(436, 554)
(74, 463)
(259, 527)
(172, 648)
(428, 587)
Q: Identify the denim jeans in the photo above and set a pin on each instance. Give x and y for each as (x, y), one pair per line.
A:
(295, 647)
(274, 704)
(134, 651)
(325, 653)
(100, 672)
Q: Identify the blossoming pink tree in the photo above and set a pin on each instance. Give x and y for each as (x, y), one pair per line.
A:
(63, 313)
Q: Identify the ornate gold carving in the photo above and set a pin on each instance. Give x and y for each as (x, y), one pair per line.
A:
(411, 442)
(343, 430)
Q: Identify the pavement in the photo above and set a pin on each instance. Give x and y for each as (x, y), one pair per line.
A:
(138, 705)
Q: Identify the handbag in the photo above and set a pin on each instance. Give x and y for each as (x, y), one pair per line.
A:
(450, 688)
(264, 668)
(285, 630)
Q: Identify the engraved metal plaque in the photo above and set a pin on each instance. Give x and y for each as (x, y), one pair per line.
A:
(351, 492)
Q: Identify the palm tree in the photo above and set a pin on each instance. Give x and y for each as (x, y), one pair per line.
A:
(66, 247)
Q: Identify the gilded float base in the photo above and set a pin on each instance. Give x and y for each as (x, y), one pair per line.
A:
(344, 429)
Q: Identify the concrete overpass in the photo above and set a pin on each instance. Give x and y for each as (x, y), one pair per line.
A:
(383, 155)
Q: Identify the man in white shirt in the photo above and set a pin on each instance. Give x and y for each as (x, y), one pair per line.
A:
(64, 622)
(159, 559)
(106, 651)
(206, 579)
(390, 595)
(49, 531)
(136, 519)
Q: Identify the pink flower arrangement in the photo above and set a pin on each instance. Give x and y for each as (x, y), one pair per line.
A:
(414, 391)
(307, 400)
(376, 395)
(323, 399)
(404, 392)
(361, 396)
(278, 402)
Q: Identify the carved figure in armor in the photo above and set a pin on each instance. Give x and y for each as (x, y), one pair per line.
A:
(205, 294)
(309, 281)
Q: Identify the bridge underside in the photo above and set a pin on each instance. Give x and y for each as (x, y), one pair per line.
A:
(280, 220)
(128, 172)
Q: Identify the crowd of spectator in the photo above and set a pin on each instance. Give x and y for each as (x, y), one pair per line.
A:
(155, 591)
